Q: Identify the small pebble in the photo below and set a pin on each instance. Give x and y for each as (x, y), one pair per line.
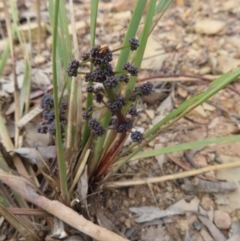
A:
(125, 203)
(131, 192)
(132, 202)
(222, 219)
(39, 59)
(128, 223)
(122, 219)
(197, 225)
(207, 202)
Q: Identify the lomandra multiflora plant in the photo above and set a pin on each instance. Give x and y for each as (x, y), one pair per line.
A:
(109, 95)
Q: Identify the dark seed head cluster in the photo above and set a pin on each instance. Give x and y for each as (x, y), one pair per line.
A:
(137, 136)
(131, 69)
(103, 73)
(145, 89)
(72, 68)
(96, 127)
(48, 115)
(134, 43)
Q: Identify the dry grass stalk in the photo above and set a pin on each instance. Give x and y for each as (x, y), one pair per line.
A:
(128, 183)
(77, 81)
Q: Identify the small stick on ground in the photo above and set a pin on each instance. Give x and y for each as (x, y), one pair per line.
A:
(187, 168)
(197, 185)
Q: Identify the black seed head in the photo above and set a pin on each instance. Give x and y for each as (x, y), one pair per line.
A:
(49, 116)
(96, 127)
(132, 111)
(132, 70)
(111, 82)
(43, 129)
(145, 89)
(85, 115)
(134, 43)
(90, 89)
(72, 68)
(98, 90)
(122, 127)
(123, 78)
(100, 55)
(47, 102)
(115, 105)
(99, 98)
(137, 136)
(85, 56)
(89, 77)
(52, 129)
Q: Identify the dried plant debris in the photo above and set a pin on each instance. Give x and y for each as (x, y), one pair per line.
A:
(215, 232)
(197, 185)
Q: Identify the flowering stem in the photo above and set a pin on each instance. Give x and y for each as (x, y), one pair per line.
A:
(119, 48)
(82, 72)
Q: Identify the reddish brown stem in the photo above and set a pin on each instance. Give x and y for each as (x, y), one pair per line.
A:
(108, 158)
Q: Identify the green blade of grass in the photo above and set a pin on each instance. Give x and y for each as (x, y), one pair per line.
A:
(89, 102)
(64, 46)
(143, 42)
(187, 146)
(4, 58)
(131, 32)
(159, 11)
(60, 156)
(196, 100)
(162, 6)
(182, 110)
